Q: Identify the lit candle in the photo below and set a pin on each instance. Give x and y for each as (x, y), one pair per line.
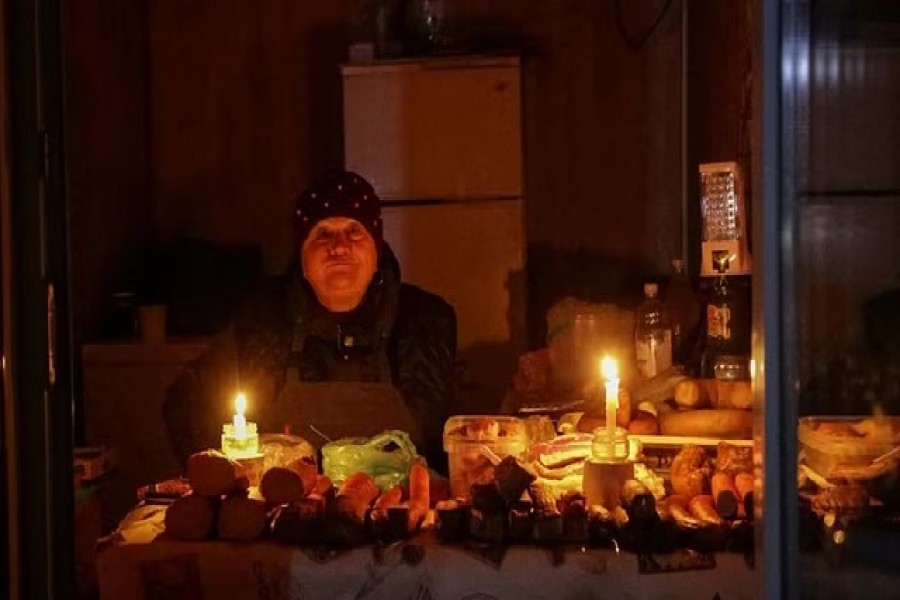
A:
(240, 439)
(610, 374)
(239, 421)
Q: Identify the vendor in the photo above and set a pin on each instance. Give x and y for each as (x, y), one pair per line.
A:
(340, 315)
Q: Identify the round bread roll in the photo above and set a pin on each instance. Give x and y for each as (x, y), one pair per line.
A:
(644, 423)
(241, 519)
(190, 518)
(213, 474)
(716, 423)
(281, 485)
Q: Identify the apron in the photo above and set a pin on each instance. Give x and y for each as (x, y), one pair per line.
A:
(338, 410)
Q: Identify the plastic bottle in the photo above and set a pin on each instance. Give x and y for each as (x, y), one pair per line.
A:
(652, 335)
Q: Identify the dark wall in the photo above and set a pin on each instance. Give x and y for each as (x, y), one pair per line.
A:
(107, 136)
(719, 96)
(240, 127)
(211, 115)
(246, 107)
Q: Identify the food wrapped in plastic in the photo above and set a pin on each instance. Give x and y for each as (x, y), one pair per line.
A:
(466, 437)
(280, 450)
(387, 457)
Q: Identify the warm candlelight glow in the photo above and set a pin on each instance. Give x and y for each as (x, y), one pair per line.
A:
(610, 372)
(608, 368)
(239, 437)
(240, 422)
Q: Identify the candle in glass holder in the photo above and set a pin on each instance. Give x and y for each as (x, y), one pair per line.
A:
(609, 371)
(240, 438)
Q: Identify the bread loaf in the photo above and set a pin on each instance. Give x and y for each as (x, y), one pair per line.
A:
(190, 518)
(281, 485)
(241, 519)
(716, 423)
(696, 393)
(213, 474)
(644, 423)
(690, 472)
(734, 394)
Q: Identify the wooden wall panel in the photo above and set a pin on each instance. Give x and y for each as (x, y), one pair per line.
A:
(107, 157)
(246, 107)
(245, 101)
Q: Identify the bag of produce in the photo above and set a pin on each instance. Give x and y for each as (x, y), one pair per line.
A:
(387, 457)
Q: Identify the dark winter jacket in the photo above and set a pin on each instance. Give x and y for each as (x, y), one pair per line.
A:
(399, 335)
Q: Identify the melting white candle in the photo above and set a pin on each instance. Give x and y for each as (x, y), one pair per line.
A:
(610, 374)
(240, 421)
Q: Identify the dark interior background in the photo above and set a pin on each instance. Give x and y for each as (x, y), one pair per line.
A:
(203, 119)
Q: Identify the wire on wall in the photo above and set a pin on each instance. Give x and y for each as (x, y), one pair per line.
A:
(636, 42)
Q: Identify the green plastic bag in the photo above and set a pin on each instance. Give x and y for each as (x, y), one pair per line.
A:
(387, 457)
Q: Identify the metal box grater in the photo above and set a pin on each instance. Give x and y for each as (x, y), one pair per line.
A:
(723, 208)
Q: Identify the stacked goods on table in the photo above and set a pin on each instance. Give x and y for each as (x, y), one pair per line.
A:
(849, 486)
(537, 497)
(671, 404)
(849, 464)
(709, 408)
(465, 437)
(294, 503)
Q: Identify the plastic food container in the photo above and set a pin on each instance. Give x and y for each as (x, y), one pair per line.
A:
(834, 443)
(464, 438)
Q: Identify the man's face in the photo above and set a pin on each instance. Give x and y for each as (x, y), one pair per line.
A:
(339, 259)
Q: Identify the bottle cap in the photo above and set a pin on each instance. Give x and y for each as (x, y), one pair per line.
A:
(650, 290)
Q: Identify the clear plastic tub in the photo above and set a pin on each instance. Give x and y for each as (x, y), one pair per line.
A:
(831, 444)
(464, 438)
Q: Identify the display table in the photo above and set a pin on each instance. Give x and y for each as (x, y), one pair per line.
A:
(140, 563)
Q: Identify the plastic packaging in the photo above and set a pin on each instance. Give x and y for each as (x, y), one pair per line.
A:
(280, 450)
(579, 333)
(387, 457)
(652, 335)
(827, 452)
(464, 438)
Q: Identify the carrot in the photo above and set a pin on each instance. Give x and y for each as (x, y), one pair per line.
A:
(725, 495)
(323, 487)
(743, 483)
(679, 500)
(355, 496)
(419, 494)
(386, 500)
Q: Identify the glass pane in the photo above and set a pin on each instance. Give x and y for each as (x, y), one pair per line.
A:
(846, 142)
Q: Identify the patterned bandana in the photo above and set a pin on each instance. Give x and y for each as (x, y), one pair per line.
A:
(344, 194)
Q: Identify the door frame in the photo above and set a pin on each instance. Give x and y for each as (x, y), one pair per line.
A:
(37, 390)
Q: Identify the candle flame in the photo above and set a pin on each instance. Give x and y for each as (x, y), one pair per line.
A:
(608, 368)
(240, 403)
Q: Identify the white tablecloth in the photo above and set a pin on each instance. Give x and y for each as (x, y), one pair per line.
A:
(138, 565)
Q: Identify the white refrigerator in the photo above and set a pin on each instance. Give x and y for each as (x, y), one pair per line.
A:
(440, 139)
